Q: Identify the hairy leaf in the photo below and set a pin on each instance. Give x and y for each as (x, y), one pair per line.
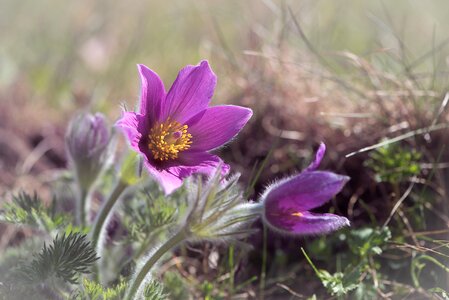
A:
(67, 257)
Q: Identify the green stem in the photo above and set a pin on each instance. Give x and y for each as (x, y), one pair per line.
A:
(149, 240)
(152, 237)
(81, 210)
(153, 258)
(264, 264)
(104, 212)
(231, 270)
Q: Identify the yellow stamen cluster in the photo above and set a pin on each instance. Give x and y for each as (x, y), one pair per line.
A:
(297, 214)
(167, 139)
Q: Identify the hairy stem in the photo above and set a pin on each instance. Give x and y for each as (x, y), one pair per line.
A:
(81, 209)
(139, 279)
(263, 271)
(105, 211)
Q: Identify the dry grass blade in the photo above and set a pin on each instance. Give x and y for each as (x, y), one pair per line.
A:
(400, 138)
(398, 203)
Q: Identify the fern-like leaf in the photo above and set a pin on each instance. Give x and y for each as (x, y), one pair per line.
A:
(67, 257)
(94, 291)
(26, 209)
(154, 290)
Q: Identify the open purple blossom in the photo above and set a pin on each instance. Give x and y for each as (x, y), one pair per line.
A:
(175, 130)
(287, 203)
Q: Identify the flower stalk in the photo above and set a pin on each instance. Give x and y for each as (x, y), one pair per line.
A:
(82, 206)
(105, 212)
(127, 178)
(139, 280)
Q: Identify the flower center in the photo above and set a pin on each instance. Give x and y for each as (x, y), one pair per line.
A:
(297, 214)
(167, 139)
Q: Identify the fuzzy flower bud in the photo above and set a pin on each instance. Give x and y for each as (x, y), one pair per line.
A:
(87, 142)
(218, 210)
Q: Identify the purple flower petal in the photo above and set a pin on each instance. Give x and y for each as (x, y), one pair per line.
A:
(318, 157)
(201, 162)
(217, 125)
(152, 94)
(169, 179)
(172, 176)
(171, 150)
(129, 124)
(303, 192)
(190, 93)
(305, 223)
(286, 204)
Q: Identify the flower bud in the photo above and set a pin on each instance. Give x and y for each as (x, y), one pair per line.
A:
(218, 210)
(87, 142)
(287, 203)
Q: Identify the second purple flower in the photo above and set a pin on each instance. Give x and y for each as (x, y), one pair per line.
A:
(287, 203)
(175, 130)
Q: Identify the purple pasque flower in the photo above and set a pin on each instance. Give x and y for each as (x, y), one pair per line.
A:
(287, 203)
(175, 130)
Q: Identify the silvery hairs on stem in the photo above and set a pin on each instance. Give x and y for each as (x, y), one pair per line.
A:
(217, 212)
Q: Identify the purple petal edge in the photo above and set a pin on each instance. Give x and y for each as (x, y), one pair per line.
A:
(318, 158)
(217, 125)
(171, 178)
(129, 124)
(304, 191)
(152, 94)
(190, 93)
(306, 224)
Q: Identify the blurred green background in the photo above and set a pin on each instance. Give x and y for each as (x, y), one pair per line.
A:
(71, 53)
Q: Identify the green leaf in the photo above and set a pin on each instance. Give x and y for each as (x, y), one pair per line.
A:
(129, 171)
(146, 213)
(338, 283)
(438, 290)
(67, 257)
(418, 265)
(154, 290)
(25, 209)
(95, 291)
(394, 164)
(365, 291)
(366, 241)
(174, 283)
